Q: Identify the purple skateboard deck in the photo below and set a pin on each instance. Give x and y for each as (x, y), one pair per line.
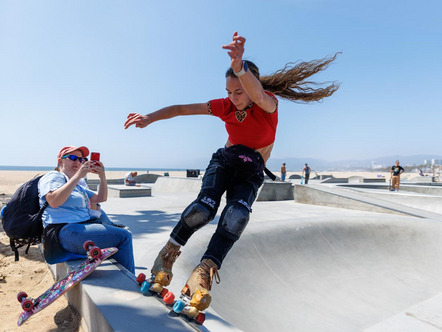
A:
(62, 286)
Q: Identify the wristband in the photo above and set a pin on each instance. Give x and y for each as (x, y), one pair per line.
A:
(243, 70)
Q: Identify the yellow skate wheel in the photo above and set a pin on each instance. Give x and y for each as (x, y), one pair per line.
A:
(157, 287)
(201, 299)
(163, 278)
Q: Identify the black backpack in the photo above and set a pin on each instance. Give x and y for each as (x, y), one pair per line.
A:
(21, 217)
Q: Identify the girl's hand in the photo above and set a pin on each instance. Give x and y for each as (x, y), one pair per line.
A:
(140, 121)
(236, 51)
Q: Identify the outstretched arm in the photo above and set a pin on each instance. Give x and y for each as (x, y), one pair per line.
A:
(249, 82)
(141, 121)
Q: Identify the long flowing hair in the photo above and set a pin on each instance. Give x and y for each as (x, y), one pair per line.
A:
(292, 82)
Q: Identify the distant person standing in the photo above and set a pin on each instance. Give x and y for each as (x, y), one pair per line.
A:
(283, 172)
(306, 173)
(396, 172)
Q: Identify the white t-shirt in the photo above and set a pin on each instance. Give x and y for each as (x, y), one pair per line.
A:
(128, 177)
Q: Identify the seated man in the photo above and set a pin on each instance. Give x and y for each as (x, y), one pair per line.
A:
(129, 179)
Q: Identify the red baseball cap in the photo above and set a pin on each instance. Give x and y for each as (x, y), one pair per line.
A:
(68, 149)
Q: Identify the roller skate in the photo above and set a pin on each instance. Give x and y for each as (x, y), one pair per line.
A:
(195, 296)
(161, 272)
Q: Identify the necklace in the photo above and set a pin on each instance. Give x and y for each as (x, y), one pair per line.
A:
(241, 115)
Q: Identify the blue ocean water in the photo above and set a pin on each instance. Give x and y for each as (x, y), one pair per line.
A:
(50, 168)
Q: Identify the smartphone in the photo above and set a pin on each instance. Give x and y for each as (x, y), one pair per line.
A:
(95, 156)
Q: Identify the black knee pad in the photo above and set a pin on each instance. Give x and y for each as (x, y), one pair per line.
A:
(234, 220)
(197, 215)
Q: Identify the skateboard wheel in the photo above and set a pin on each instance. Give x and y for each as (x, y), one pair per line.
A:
(178, 306)
(141, 277)
(145, 286)
(168, 298)
(164, 292)
(87, 244)
(201, 318)
(95, 252)
(27, 305)
(21, 296)
(157, 287)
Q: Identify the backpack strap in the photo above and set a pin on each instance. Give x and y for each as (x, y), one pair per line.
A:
(14, 248)
(269, 174)
(43, 208)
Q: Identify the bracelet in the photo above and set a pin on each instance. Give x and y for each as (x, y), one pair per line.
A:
(243, 69)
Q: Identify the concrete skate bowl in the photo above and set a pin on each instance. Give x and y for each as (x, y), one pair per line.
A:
(334, 275)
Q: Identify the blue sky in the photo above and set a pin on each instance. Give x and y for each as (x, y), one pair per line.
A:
(71, 71)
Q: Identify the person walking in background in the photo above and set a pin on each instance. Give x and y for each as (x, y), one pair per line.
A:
(250, 114)
(396, 171)
(283, 172)
(306, 173)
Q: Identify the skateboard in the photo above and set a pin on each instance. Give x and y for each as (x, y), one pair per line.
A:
(181, 307)
(31, 306)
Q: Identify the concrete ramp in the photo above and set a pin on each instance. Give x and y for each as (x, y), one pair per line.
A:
(351, 199)
(343, 274)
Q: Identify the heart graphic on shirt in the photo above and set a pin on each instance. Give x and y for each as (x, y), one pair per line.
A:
(240, 115)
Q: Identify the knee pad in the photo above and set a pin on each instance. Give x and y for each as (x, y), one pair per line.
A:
(234, 220)
(197, 215)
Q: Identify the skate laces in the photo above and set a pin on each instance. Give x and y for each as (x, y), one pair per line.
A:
(170, 254)
(207, 272)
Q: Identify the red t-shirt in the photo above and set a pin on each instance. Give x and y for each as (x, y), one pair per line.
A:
(253, 127)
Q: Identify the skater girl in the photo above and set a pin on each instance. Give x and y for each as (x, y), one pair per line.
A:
(250, 114)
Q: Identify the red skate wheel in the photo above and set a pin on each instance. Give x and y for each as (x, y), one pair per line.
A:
(87, 244)
(95, 252)
(27, 305)
(21, 296)
(141, 277)
(201, 318)
(168, 298)
(164, 292)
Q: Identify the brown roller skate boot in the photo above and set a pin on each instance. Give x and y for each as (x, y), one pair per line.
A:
(162, 267)
(200, 283)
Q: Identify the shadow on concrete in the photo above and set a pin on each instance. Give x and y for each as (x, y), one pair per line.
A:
(150, 221)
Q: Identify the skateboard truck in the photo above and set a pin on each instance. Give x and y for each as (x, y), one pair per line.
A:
(93, 251)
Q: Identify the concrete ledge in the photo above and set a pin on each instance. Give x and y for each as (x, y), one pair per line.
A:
(275, 191)
(341, 198)
(142, 178)
(128, 191)
(422, 188)
(335, 180)
(92, 318)
(109, 299)
(374, 180)
(93, 183)
(175, 185)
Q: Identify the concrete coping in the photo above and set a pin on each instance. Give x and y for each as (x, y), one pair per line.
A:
(129, 191)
